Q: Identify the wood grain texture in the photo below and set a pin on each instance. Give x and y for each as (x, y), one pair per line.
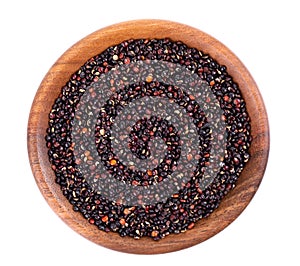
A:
(232, 205)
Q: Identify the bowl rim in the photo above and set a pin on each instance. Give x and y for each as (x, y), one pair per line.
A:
(231, 206)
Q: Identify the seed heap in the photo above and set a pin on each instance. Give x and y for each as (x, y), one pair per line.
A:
(71, 159)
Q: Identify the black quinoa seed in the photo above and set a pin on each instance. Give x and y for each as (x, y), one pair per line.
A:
(183, 209)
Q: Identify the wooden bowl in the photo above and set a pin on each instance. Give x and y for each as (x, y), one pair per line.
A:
(234, 202)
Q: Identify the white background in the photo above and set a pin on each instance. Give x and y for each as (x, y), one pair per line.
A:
(263, 34)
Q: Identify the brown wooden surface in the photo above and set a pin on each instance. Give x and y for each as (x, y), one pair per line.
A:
(232, 205)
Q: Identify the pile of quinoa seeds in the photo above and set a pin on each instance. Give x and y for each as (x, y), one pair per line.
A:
(146, 138)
